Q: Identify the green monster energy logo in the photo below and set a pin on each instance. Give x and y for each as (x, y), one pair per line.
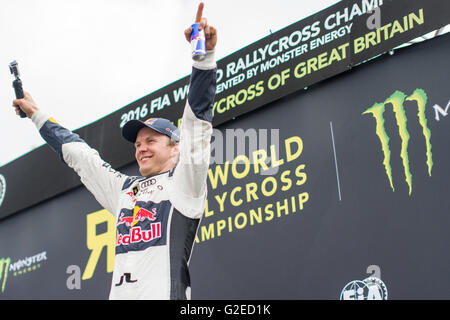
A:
(377, 111)
(4, 269)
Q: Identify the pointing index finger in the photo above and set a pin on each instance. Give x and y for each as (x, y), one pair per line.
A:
(198, 17)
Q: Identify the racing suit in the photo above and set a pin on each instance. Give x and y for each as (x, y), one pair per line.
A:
(157, 216)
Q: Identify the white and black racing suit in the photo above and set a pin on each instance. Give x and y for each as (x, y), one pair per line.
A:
(157, 216)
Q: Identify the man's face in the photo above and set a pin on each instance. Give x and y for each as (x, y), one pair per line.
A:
(154, 153)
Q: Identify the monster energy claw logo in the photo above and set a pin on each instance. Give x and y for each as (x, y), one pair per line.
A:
(397, 99)
(4, 269)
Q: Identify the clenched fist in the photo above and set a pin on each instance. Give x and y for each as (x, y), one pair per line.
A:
(27, 105)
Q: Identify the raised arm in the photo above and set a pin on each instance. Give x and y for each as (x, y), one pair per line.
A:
(97, 175)
(196, 127)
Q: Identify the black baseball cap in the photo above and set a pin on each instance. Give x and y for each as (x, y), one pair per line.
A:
(161, 125)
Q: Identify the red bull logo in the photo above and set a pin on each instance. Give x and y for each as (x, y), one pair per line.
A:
(139, 214)
(136, 235)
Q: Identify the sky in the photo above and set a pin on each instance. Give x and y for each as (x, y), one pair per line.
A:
(81, 60)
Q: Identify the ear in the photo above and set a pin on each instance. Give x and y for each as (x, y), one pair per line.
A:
(175, 150)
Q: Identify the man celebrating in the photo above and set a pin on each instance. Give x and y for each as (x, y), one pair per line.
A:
(157, 213)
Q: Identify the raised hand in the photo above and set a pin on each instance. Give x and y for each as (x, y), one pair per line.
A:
(27, 104)
(210, 31)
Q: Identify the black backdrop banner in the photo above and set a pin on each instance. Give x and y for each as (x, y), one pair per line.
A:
(344, 196)
(321, 46)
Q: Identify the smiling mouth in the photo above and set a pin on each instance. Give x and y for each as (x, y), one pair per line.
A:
(145, 158)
